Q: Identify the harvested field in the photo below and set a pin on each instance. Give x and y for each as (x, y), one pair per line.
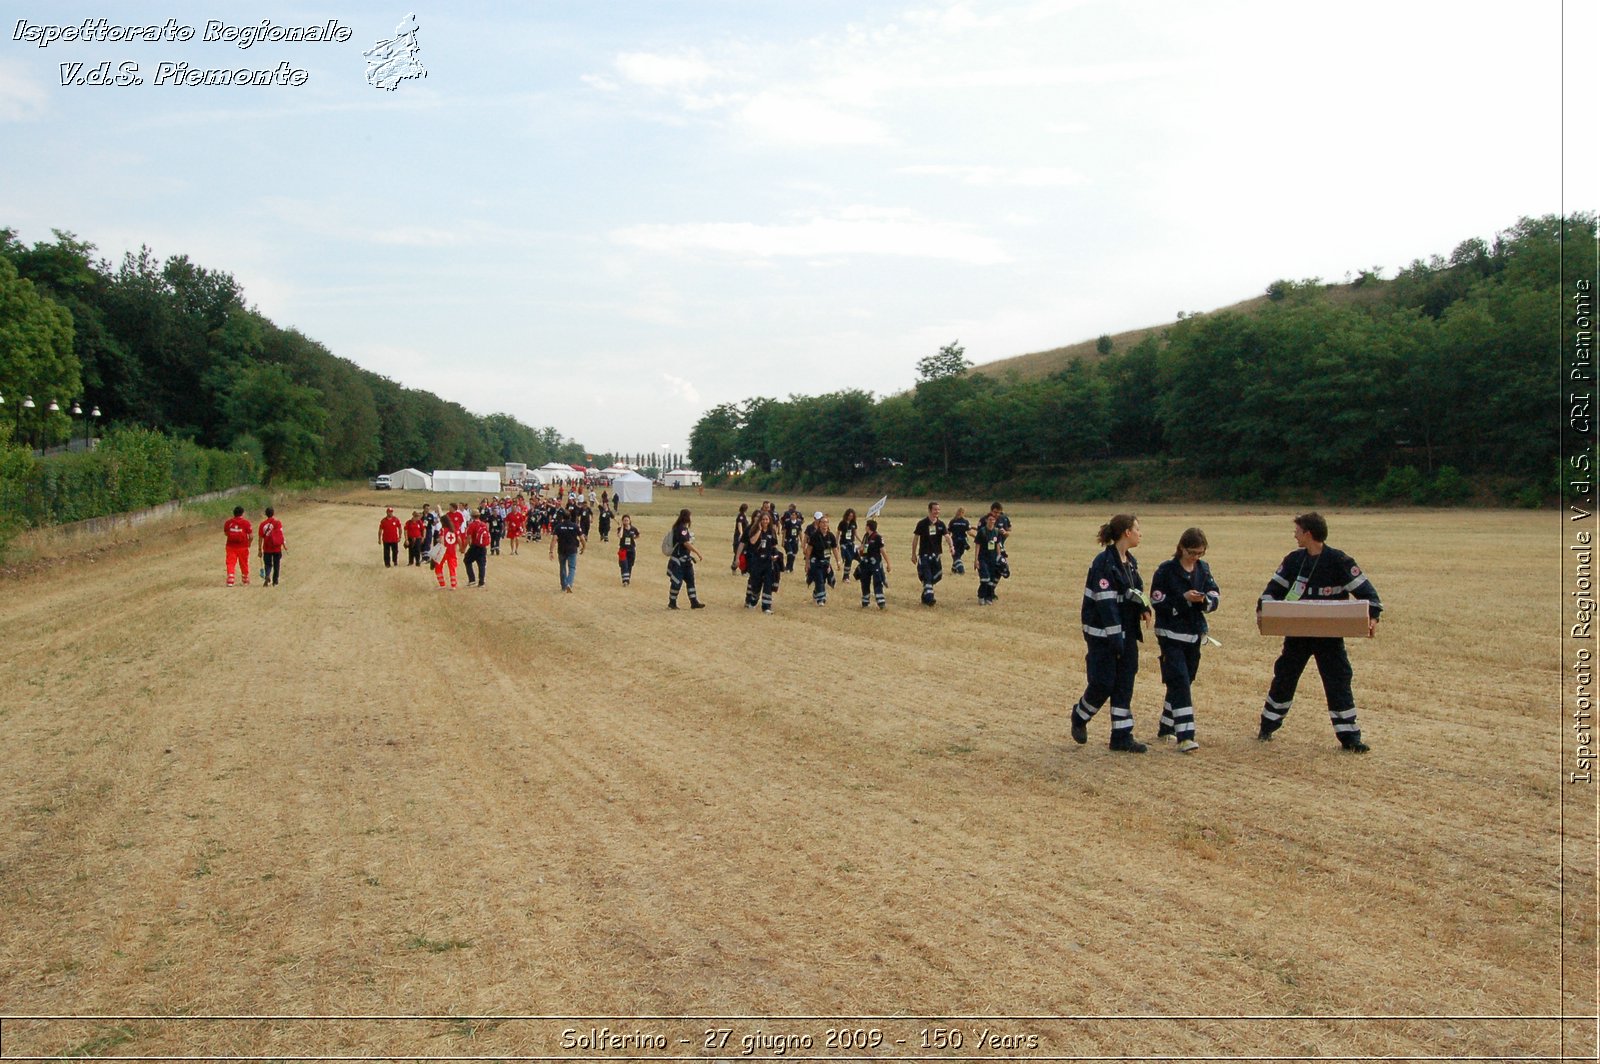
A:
(511, 813)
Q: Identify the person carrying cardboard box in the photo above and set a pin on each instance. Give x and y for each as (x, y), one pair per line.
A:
(1317, 572)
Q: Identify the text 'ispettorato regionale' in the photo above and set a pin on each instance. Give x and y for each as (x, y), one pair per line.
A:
(213, 31)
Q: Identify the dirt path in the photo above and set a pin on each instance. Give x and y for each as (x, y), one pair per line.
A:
(357, 795)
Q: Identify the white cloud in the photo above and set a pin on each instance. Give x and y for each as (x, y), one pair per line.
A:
(21, 100)
(992, 176)
(682, 389)
(807, 120)
(664, 71)
(854, 231)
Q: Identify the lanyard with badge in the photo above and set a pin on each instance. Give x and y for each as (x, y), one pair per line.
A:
(1298, 590)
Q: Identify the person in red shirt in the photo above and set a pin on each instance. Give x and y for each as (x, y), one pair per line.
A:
(238, 529)
(416, 531)
(478, 535)
(516, 520)
(449, 538)
(269, 545)
(457, 517)
(389, 536)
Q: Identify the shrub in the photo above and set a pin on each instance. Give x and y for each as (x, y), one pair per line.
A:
(1404, 485)
(1449, 487)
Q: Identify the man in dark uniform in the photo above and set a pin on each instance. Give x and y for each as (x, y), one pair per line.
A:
(792, 521)
(928, 541)
(1317, 572)
(989, 540)
(1002, 523)
(568, 536)
(497, 527)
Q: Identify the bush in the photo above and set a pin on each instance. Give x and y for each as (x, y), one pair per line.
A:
(1448, 488)
(1402, 485)
(1250, 487)
(131, 469)
(1529, 497)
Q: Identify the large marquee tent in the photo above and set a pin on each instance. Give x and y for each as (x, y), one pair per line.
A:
(466, 480)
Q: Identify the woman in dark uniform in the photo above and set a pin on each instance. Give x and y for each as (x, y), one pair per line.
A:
(1114, 608)
(1182, 592)
(680, 565)
(627, 548)
(847, 540)
(763, 553)
(741, 529)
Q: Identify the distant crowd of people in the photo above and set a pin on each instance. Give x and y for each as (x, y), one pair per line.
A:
(767, 545)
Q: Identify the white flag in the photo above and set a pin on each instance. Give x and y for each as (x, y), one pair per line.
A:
(877, 507)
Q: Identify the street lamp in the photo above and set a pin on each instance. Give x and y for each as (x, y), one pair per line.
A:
(27, 404)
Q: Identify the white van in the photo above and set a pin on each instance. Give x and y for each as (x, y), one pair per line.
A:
(381, 483)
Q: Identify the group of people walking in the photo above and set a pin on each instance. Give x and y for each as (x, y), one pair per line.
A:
(1116, 608)
(238, 533)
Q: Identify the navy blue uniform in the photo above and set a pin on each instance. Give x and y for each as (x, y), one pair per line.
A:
(627, 551)
(989, 540)
(741, 529)
(1112, 606)
(930, 533)
(1330, 575)
(870, 568)
(959, 527)
(763, 563)
(847, 545)
(1180, 630)
(819, 569)
(792, 522)
(680, 567)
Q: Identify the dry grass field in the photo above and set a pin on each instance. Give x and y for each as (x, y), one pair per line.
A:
(509, 812)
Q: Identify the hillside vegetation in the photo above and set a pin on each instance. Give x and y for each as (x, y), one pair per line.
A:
(173, 346)
(1038, 365)
(1429, 387)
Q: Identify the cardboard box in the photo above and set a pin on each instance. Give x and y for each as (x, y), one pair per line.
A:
(1337, 618)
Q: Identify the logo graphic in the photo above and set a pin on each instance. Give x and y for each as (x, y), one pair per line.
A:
(395, 60)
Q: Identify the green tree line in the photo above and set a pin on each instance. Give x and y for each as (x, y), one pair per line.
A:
(1412, 388)
(173, 346)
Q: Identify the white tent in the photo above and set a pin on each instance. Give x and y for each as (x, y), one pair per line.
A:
(554, 473)
(631, 487)
(615, 470)
(409, 479)
(681, 478)
(466, 480)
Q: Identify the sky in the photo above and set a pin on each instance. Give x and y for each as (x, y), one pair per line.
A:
(610, 217)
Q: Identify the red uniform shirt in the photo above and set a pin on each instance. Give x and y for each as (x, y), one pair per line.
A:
(449, 537)
(457, 519)
(477, 533)
(414, 528)
(271, 535)
(389, 529)
(238, 530)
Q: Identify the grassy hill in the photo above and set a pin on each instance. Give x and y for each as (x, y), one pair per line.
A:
(1041, 364)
